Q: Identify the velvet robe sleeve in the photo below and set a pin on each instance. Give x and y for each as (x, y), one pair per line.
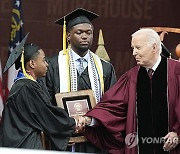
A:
(111, 113)
(27, 112)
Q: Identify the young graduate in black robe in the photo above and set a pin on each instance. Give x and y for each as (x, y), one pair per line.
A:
(63, 70)
(28, 111)
(79, 38)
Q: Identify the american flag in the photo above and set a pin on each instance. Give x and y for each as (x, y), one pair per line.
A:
(16, 36)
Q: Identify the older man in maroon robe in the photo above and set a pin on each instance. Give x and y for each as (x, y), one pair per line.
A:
(141, 112)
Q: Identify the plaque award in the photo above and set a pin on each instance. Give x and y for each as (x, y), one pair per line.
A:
(76, 103)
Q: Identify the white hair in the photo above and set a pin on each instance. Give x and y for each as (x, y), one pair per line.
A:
(151, 35)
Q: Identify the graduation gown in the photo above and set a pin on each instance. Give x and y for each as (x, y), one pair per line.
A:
(52, 77)
(117, 116)
(83, 83)
(27, 112)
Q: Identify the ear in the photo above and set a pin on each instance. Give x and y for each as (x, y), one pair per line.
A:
(154, 47)
(32, 64)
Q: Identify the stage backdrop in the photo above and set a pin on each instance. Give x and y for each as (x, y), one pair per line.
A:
(118, 20)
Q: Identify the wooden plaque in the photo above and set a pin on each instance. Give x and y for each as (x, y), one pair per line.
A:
(76, 103)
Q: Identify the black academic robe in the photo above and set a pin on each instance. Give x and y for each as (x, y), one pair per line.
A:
(52, 77)
(83, 81)
(27, 112)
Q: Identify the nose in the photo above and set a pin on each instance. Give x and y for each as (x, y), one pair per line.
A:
(84, 35)
(134, 52)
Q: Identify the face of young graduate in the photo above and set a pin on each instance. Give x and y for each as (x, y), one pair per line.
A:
(80, 38)
(145, 53)
(39, 64)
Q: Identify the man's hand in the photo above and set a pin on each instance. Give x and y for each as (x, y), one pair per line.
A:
(80, 124)
(172, 140)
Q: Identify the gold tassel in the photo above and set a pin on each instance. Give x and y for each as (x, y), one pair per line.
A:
(64, 38)
(68, 68)
(23, 68)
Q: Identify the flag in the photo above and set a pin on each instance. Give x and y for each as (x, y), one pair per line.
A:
(16, 36)
(1, 93)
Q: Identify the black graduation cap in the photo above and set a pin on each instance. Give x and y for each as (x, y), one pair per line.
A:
(14, 55)
(165, 52)
(29, 51)
(77, 16)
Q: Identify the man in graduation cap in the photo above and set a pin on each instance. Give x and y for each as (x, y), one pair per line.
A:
(76, 67)
(142, 106)
(28, 113)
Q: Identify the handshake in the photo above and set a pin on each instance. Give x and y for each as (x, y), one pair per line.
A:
(81, 122)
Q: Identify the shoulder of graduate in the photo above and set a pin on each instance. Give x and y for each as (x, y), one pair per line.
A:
(26, 83)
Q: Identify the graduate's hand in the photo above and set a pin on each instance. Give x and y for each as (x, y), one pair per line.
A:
(80, 124)
(172, 140)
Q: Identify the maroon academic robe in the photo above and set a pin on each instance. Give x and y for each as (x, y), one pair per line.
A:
(117, 112)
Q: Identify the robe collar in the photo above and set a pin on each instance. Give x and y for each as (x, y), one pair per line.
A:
(156, 64)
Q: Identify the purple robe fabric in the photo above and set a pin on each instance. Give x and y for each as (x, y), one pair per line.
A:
(116, 112)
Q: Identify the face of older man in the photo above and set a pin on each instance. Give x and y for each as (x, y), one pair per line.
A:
(145, 53)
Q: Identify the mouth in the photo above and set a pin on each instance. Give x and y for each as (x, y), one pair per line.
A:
(137, 58)
(84, 43)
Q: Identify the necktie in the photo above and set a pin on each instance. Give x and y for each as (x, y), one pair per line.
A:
(150, 73)
(81, 68)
